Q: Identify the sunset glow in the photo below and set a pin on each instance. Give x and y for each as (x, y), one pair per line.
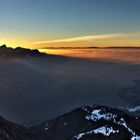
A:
(69, 24)
(63, 55)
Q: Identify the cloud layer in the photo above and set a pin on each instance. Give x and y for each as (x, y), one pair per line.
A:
(86, 38)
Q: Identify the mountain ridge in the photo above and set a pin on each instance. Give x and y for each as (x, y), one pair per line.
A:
(19, 52)
(84, 123)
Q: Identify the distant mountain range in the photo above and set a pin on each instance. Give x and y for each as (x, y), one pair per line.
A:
(93, 47)
(19, 52)
(23, 52)
(86, 123)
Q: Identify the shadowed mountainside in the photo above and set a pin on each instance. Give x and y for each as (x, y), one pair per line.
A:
(85, 123)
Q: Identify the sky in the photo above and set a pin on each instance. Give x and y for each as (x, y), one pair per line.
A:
(69, 23)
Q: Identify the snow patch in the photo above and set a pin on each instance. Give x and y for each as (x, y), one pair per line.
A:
(98, 114)
(106, 131)
(65, 123)
(135, 138)
(135, 109)
(46, 129)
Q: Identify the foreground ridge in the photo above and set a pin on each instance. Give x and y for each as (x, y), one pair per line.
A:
(85, 123)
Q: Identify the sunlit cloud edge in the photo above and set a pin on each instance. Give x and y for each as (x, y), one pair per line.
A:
(86, 38)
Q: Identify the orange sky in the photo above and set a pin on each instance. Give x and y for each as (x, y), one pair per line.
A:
(104, 40)
(74, 23)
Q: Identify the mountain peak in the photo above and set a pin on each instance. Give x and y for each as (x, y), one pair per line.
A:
(18, 52)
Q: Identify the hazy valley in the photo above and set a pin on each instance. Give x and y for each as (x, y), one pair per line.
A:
(42, 87)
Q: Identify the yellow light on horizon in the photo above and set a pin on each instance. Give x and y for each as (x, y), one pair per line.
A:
(14, 43)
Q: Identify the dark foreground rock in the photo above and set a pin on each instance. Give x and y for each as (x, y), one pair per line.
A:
(11, 131)
(19, 52)
(85, 123)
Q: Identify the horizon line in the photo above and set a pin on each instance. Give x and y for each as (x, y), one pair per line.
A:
(90, 47)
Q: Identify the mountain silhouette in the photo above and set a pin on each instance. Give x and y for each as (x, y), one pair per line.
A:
(19, 52)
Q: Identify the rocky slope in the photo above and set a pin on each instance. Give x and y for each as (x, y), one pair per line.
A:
(11, 131)
(85, 123)
(94, 122)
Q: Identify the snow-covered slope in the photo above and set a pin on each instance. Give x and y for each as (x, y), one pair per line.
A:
(92, 122)
(102, 114)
